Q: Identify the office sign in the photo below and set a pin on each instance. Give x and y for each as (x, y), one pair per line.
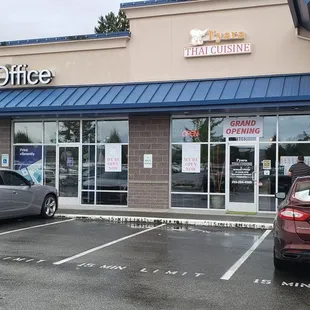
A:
(18, 75)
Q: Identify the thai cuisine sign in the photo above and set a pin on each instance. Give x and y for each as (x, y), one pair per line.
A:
(243, 127)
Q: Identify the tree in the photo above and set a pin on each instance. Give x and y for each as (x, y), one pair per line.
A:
(112, 23)
(22, 137)
(114, 137)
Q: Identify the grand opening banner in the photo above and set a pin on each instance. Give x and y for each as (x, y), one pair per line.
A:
(28, 162)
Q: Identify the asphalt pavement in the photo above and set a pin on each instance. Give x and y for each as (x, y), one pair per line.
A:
(87, 264)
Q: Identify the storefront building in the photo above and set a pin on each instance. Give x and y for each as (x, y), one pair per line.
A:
(201, 106)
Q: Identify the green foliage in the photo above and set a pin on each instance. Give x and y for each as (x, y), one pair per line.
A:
(114, 137)
(22, 137)
(112, 23)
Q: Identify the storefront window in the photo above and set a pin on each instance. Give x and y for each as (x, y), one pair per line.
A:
(28, 132)
(217, 168)
(294, 128)
(216, 129)
(34, 156)
(288, 153)
(270, 129)
(89, 129)
(111, 185)
(113, 131)
(267, 168)
(197, 181)
(69, 132)
(50, 129)
(88, 168)
(190, 130)
(50, 165)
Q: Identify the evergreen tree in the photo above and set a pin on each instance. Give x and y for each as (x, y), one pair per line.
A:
(112, 23)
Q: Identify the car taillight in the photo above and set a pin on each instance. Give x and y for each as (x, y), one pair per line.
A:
(293, 214)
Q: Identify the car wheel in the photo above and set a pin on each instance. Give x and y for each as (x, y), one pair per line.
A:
(49, 206)
(279, 264)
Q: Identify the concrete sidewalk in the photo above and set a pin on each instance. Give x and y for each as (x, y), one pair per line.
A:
(172, 216)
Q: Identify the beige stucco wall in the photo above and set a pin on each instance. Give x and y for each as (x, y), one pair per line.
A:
(159, 34)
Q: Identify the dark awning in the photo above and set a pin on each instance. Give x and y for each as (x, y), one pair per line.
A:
(300, 10)
(256, 93)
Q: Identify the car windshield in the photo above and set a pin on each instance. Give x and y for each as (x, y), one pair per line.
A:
(302, 191)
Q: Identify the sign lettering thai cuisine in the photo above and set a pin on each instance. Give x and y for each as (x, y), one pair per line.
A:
(199, 37)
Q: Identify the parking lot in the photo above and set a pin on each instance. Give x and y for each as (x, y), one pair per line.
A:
(83, 264)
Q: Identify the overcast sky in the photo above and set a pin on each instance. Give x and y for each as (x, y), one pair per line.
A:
(30, 19)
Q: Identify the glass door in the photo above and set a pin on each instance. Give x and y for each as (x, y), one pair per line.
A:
(242, 185)
(69, 174)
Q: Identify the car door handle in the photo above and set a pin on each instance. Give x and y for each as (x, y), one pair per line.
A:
(14, 193)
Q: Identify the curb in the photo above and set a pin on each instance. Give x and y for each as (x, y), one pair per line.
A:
(169, 221)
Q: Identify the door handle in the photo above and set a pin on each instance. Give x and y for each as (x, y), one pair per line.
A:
(14, 193)
(253, 176)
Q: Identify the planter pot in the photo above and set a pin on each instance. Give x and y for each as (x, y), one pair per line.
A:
(217, 202)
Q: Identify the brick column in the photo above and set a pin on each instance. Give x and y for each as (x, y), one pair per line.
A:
(149, 187)
(5, 138)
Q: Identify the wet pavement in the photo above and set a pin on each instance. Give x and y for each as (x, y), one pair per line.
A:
(82, 264)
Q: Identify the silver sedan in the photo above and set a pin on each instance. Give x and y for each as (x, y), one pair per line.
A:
(21, 197)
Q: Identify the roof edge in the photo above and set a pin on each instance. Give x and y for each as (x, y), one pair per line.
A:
(150, 3)
(244, 77)
(73, 38)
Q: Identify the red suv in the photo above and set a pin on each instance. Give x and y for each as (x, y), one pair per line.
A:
(292, 225)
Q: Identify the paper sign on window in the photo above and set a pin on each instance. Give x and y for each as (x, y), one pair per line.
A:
(191, 158)
(113, 157)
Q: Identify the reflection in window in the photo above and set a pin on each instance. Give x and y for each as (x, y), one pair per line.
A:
(111, 198)
(189, 182)
(88, 167)
(69, 131)
(189, 201)
(190, 130)
(89, 131)
(217, 168)
(294, 128)
(50, 165)
(111, 181)
(28, 132)
(270, 128)
(216, 129)
(112, 131)
(50, 129)
(267, 204)
(267, 170)
(288, 153)
(88, 198)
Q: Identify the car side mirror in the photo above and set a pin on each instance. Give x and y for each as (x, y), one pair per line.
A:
(280, 195)
(31, 183)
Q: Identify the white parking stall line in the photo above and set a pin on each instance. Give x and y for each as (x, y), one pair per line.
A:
(36, 226)
(230, 272)
(105, 245)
